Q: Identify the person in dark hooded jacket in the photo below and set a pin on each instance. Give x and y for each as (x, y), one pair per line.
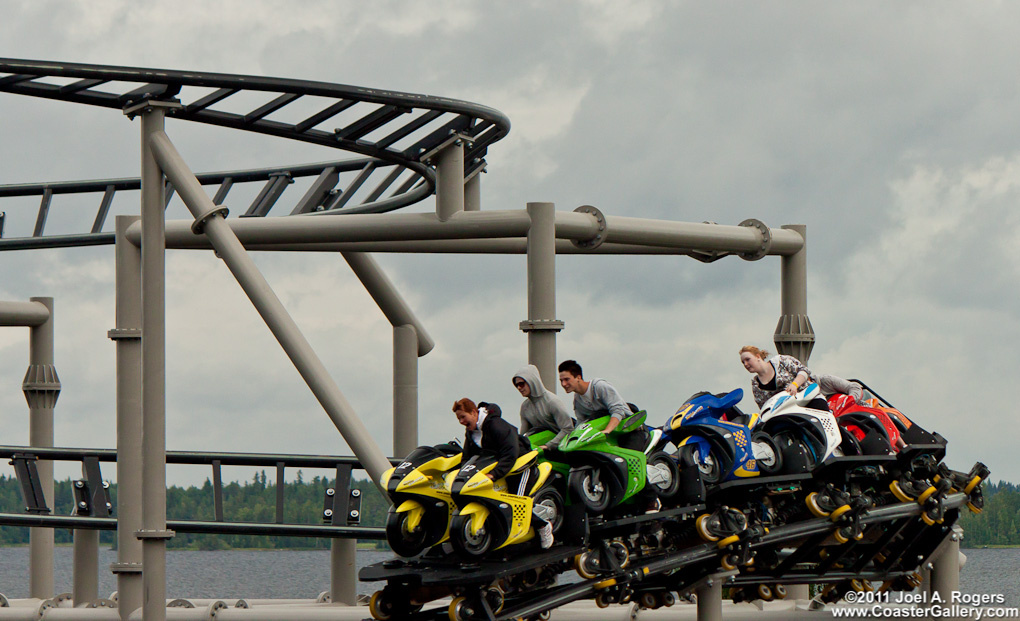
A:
(541, 409)
(491, 434)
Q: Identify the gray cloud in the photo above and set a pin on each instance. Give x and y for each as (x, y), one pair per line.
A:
(886, 129)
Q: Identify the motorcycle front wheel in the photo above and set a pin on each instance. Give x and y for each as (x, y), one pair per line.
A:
(465, 543)
(403, 541)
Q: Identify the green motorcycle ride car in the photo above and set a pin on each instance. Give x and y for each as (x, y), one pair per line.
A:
(539, 439)
(609, 470)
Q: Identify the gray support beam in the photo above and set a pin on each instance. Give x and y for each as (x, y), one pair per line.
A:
(128, 337)
(41, 388)
(44, 212)
(385, 294)
(23, 314)
(210, 220)
(473, 231)
(473, 193)
(405, 389)
(710, 600)
(691, 235)
(85, 580)
(326, 227)
(450, 180)
(542, 325)
(794, 335)
(443, 246)
(343, 580)
(104, 209)
(154, 531)
(945, 569)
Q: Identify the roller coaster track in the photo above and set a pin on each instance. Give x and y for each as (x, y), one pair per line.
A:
(395, 133)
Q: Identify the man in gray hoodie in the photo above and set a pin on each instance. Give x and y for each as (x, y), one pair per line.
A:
(541, 409)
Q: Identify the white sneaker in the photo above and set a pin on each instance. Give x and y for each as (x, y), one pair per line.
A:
(545, 536)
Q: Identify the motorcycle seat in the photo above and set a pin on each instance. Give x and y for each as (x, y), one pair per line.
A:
(524, 462)
(633, 422)
(719, 402)
(738, 418)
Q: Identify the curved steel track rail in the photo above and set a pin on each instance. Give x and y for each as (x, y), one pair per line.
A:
(395, 132)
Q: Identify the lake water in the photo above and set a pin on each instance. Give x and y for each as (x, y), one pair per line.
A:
(305, 573)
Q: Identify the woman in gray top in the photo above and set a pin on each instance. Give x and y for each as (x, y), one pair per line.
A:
(541, 409)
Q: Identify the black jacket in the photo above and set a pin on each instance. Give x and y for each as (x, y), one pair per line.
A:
(501, 439)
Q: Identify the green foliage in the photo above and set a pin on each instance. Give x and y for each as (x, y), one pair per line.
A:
(999, 523)
(253, 501)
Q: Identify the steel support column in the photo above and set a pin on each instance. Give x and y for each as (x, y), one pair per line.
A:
(794, 335)
(410, 340)
(405, 390)
(945, 570)
(385, 294)
(42, 388)
(450, 179)
(710, 601)
(542, 325)
(128, 337)
(209, 218)
(154, 532)
(85, 587)
(473, 193)
(343, 571)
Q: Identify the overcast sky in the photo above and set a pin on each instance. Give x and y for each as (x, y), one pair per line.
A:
(888, 129)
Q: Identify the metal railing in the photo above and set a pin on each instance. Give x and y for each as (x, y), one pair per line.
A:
(341, 507)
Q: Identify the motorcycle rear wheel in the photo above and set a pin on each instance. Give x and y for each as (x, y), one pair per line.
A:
(669, 488)
(592, 493)
(849, 444)
(797, 456)
(771, 462)
(550, 498)
(709, 467)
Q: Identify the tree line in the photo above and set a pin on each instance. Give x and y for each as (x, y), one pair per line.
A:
(255, 501)
(251, 501)
(998, 524)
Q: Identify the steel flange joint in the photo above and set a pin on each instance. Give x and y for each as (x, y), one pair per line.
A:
(766, 239)
(200, 220)
(600, 218)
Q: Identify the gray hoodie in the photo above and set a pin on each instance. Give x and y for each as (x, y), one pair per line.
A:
(542, 410)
